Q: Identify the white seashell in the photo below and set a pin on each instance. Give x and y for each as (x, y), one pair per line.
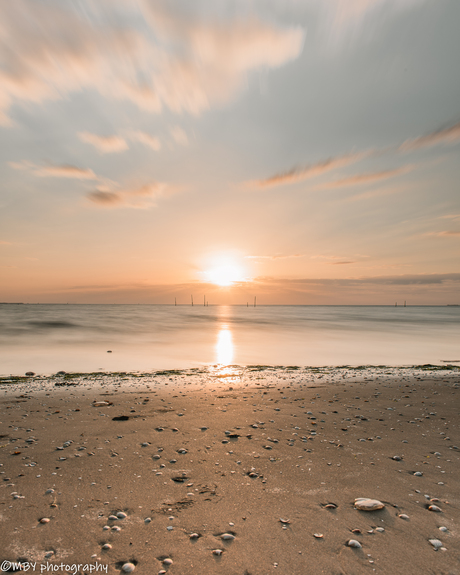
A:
(318, 535)
(44, 520)
(128, 567)
(217, 552)
(113, 517)
(380, 529)
(168, 561)
(368, 504)
(147, 520)
(105, 528)
(116, 528)
(182, 451)
(418, 474)
(404, 516)
(436, 543)
(227, 537)
(435, 508)
(107, 546)
(354, 543)
(121, 515)
(49, 491)
(194, 536)
(284, 520)
(100, 403)
(145, 444)
(443, 529)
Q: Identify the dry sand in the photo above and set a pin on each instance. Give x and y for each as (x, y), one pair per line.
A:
(180, 464)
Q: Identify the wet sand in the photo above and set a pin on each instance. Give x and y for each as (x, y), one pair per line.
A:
(271, 457)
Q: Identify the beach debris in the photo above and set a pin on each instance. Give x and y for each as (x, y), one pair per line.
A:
(354, 543)
(116, 528)
(435, 508)
(329, 505)
(148, 520)
(168, 561)
(436, 543)
(30, 373)
(106, 546)
(112, 517)
(194, 535)
(128, 567)
(318, 535)
(182, 451)
(285, 521)
(364, 504)
(404, 516)
(380, 529)
(418, 474)
(397, 458)
(443, 529)
(217, 552)
(45, 520)
(145, 444)
(101, 403)
(121, 515)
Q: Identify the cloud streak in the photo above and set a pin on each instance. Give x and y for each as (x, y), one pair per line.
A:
(145, 196)
(105, 144)
(446, 135)
(359, 179)
(58, 171)
(184, 64)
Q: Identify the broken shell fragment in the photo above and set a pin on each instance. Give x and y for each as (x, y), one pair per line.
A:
(354, 543)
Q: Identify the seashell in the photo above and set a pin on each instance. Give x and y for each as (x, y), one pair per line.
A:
(252, 474)
(116, 528)
(397, 458)
(435, 508)
(418, 474)
(194, 535)
(145, 444)
(100, 403)
(354, 543)
(182, 451)
(112, 517)
(49, 491)
(403, 516)
(44, 520)
(147, 520)
(128, 568)
(121, 515)
(217, 552)
(227, 537)
(330, 506)
(106, 546)
(364, 504)
(105, 528)
(436, 543)
(356, 530)
(286, 521)
(443, 529)
(168, 561)
(318, 535)
(379, 529)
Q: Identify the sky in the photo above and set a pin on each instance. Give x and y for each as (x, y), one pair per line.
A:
(293, 151)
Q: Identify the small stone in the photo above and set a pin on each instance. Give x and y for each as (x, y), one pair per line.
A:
(128, 568)
(404, 516)
(418, 474)
(113, 517)
(436, 543)
(106, 546)
(217, 552)
(443, 529)
(397, 458)
(116, 528)
(364, 504)
(45, 520)
(194, 535)
(318, 535)
(121, 515)
(167, 561)
(379, 529)
(147, 520)
(354, 543)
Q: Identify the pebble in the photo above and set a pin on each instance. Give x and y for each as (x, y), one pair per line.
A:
(121, 515)
(217, 552)
(194, 535)
(147, 520)
(318, 535)
(443, 529)
(418, 474)
(404, 516)
(107, 546)
(128, 567)
(167, 561)
(44, 520)
(354, 543)
(116, 528)
(436, 543)
(364, 504)
(113, 517)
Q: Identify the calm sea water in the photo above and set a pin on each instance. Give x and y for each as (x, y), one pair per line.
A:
(48, 338)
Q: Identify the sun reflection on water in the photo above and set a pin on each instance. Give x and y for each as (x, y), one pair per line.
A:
(224, 347)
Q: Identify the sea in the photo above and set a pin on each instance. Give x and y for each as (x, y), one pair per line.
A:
(46, 338)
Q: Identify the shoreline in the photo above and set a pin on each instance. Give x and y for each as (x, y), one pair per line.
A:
(233, 451)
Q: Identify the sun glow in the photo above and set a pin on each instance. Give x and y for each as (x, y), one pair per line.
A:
(225, 275)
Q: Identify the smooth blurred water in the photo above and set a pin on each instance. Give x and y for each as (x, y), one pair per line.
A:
(48, 338)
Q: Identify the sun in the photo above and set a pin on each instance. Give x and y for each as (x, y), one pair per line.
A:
(225, 275)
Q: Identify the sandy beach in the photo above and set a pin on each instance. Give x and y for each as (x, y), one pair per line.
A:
(235, 471)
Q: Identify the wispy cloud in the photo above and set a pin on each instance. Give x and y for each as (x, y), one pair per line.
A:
(275, 257)
(367, 178)
(446, 233)
(145, 196)
(446, 135)
(146, 139)
(181, 62)
(298, 174)
(52, 171)
(105, 144)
